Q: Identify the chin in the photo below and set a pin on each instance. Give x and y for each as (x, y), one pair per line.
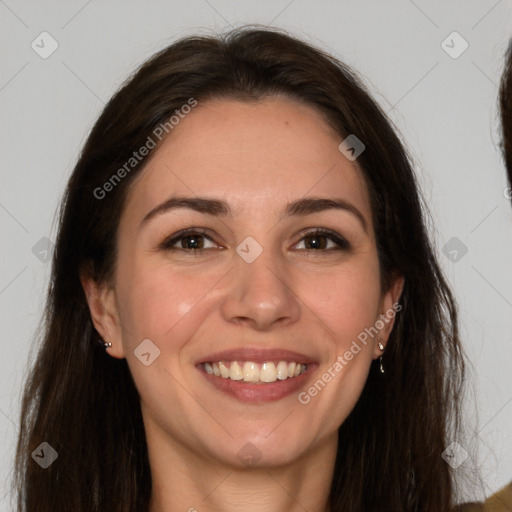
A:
(255, 450)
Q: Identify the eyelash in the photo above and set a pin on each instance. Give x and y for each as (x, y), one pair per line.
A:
(342, 243)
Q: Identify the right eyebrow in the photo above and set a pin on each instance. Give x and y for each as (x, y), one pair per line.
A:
(198, 204)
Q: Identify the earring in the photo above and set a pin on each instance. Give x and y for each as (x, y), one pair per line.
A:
(105, 344)
(381, 366)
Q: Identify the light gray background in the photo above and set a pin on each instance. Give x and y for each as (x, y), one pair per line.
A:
(444, 107)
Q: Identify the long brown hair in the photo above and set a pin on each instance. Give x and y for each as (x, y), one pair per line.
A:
(506, 112)
(84, 403)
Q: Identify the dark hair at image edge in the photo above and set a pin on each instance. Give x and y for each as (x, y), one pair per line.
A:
(84, 403)
(505, 100)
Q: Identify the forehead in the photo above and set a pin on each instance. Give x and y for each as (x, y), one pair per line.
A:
(254, 154)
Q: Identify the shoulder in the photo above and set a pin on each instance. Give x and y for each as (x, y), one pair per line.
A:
(499, 502)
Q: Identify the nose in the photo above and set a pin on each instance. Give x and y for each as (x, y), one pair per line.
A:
(260, 294)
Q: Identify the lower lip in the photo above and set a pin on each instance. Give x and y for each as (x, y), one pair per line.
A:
(259, 393)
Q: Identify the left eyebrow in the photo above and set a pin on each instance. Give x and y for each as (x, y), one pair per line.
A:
(215, 207)
(309, 205)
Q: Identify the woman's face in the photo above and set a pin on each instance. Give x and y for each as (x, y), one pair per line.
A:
(248, 241)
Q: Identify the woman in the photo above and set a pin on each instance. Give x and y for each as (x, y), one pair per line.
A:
(245, 308)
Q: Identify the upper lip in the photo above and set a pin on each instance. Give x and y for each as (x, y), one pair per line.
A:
(256, 355)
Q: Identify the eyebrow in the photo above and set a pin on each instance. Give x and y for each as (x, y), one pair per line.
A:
(219, 207)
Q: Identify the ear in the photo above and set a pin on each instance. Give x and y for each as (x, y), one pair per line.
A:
(103, 309)
(389, 308)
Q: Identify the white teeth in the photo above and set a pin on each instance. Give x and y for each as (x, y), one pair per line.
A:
(255, 372)
(251, 372)
(268, 372)
(282, 370)
(235, 372)
(224, 370)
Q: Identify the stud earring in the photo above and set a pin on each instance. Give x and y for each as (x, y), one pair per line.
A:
(105, 344)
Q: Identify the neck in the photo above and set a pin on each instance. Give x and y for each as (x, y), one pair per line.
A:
(186, 481)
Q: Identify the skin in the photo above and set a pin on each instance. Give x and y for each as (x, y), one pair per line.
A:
(258, 157)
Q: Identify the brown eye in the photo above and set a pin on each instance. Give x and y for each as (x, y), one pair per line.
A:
(189, 241)
(322, 240)
(192, 242)
(315, 242)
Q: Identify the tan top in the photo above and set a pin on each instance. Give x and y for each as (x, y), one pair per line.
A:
(499, 502)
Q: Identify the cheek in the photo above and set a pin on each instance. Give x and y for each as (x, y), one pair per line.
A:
(347, 300)
(159, 303)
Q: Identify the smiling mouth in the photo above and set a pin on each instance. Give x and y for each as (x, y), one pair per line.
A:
(255, 373)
